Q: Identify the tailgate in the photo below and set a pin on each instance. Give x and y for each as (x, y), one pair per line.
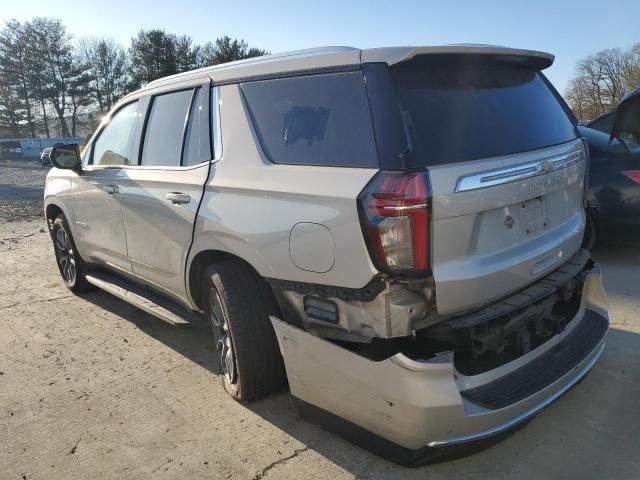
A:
(506, 168)
(500, 224)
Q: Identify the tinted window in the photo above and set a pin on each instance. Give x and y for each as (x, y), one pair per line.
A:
(314, 120)
(113, 144)
(165, 129)
(196, 147)
(604, 123)
(458, 112)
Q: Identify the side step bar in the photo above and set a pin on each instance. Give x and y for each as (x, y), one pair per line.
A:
(146, 300)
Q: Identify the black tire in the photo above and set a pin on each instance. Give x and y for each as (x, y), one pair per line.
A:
(590, 234)
(67, 257)
(245, 301)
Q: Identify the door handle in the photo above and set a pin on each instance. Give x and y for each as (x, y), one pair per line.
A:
(178, 198)
(111, 189)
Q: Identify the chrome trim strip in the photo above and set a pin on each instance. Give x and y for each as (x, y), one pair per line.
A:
(216, 127)
(401, 208)
(523, 416)
(519, 172)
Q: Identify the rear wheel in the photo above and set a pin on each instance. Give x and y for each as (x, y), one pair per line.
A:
(238, 303)
(72, 268)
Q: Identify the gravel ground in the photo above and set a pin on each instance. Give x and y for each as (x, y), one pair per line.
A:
(21, 190)
(91, 387)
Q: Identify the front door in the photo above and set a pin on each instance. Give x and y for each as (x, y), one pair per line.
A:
(96, 193)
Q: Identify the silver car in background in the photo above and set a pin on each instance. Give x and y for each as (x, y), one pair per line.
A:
(396, 233)
(45, 156)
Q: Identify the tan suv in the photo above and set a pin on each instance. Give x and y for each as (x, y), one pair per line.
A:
(402, 226)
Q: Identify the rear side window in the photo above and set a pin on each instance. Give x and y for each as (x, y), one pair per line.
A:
(314, 120)
(197, 148)
(456, 112)
(165, 129)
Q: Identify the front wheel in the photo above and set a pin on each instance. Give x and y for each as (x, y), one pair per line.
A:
(72, 268)
(238, 303)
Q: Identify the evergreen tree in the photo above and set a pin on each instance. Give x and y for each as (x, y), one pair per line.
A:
(225, 49)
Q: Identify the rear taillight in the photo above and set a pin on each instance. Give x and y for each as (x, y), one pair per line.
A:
(395, 209)
(633, 175)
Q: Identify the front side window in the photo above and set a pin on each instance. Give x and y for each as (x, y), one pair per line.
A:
(113, 145)
(165, 129)
(314, 120)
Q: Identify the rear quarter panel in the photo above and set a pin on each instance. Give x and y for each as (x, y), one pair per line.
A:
(250, 206)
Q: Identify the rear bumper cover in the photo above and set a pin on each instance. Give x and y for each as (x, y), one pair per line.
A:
(410, 409)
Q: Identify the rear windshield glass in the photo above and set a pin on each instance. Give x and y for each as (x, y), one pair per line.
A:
(459, 112)
(314, 120)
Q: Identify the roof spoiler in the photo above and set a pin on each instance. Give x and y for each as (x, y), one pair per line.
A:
(394, 55)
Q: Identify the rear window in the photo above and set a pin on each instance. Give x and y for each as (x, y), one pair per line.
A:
(603, 123)
(455, 112)
(314, 120)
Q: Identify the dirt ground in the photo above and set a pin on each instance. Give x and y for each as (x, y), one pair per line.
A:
(21, 185)
(90, 387)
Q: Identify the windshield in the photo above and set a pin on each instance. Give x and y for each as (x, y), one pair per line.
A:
(457, 111)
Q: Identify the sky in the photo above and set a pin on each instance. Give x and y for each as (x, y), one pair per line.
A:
(571, 30)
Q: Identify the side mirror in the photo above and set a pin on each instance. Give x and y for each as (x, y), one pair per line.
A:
(66, 157)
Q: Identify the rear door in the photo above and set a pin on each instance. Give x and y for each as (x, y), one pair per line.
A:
(160, 195)
(506, 169)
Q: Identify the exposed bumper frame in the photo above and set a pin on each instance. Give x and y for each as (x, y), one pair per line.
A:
(410, 411)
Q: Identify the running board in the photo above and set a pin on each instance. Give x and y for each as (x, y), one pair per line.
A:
(146, 300)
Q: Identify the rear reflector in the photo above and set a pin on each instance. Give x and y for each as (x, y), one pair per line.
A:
(633, 175)
(395, 210)
(320, 309)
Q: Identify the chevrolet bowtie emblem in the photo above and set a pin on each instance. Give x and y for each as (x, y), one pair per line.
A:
(546, 167)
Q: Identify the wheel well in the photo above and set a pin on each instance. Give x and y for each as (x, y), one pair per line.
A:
(51, 213)
(201, 261)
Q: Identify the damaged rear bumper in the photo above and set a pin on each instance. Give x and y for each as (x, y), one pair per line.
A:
(407, 410)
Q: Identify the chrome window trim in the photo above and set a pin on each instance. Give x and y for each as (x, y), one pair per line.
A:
(216, 128)
(499, 176)
(175, 168)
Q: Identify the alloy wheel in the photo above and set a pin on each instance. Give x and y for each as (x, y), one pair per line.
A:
(66, 256)
(222, 336)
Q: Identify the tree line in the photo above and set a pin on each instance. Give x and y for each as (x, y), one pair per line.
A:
(601, 80)
(53, 85)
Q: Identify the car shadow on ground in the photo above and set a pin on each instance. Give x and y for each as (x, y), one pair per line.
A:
(584, 414)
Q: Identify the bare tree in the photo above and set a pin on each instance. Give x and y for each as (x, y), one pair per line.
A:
(601, 80)
(47, 83)
(107, 62)
(633, 75)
